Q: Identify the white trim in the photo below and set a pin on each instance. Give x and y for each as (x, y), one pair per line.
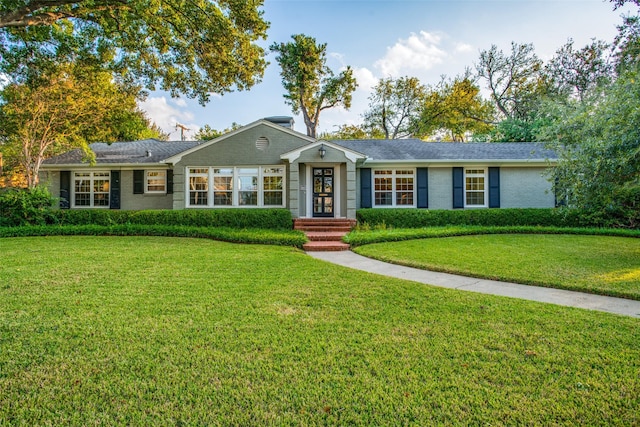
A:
(394, 190)
(91, 193)
(294, 155)
(178, 157)
(485, 184)
(146, 181)
(337, 193)
(235, 189)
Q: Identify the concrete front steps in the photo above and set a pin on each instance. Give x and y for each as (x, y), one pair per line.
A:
(324, 234)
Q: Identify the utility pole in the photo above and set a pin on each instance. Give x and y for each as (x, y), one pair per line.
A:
(182, 129)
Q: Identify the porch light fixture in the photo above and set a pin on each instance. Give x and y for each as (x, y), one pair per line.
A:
(322, 151)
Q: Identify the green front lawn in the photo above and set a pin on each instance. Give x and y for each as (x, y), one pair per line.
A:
(173, 331)
(597, 264)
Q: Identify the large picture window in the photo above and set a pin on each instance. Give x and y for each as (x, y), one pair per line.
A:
(394, 187)
(91, 189)
(475, 188)
(249, 186)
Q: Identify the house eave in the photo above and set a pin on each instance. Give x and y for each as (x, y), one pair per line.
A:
(461, 162)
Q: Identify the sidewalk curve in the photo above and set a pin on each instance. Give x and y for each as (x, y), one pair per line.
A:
(625, 307)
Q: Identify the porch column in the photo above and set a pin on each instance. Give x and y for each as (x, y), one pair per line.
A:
(294, 189)
(351, 189)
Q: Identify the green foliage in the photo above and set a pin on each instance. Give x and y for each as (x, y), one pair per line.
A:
(25, 207)
(67, 107)
(453, 109)
(245, 235)
(598, 146)
(394, 107)
(195, 48)
(275, 219)
(207, 133)
(418, 218)
(311, 86)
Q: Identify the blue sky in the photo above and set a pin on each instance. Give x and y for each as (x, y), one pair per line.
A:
(391, 38)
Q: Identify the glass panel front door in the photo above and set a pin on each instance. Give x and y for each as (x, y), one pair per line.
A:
(323, 192)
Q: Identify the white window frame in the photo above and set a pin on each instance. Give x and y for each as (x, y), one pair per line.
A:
(236, 173)
(485, 189)
(395, 175)
(148, 178)
(92, 176)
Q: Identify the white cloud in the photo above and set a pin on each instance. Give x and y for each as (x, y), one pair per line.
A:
(463, 48)
(365, 79)
(167, 116)
(180, 102)
(418, 52)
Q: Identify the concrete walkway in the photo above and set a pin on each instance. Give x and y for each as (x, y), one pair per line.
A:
(350, 259)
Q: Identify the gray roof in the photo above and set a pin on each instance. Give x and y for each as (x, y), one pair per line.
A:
(144, 151)
(415, 149)
(154, 151)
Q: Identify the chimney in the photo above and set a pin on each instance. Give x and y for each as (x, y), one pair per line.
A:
(284, 121)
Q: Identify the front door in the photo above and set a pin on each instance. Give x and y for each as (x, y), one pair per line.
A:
(323, 192)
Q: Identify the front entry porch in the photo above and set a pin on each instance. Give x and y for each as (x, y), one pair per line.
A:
(324, 234)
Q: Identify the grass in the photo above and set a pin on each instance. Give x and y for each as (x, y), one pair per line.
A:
(597, 264)
(174, 331)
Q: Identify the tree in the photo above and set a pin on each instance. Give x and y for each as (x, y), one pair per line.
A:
(455, 108)
(310, 84)
(353, 132)
(626, 44)
(207, 133)
(575, 73)
(598, 145)
(70, 109)
(394, 106)
(195, 47)
(513, 80)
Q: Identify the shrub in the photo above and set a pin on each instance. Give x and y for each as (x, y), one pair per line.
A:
(274, 219)
(25, 207)
(561, 217)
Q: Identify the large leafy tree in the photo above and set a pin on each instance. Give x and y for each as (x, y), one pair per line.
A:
(513, 78)
(394, 106)
(454, 109)
(599, 149)
(311, 86)
(70, 107)
(574, 73)
(194, 47)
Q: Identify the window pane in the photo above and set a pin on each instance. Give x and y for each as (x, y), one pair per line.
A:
(199, 187)
(248, 198)
(273, 198)
(475, 198)
(248, 171)
(83, 199)
(223, 171)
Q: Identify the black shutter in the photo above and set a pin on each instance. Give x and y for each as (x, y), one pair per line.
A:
(169, 181)
(423, 188)
(458, 188)
(365, 188)
(114, 192)
(65, 189)
(494, 187)
(138, 182)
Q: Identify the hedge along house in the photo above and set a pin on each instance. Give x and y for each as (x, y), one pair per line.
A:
(266, 164)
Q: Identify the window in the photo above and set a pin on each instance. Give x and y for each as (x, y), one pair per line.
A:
(394, 187)
(156, 182)
(247, 186)
(251, 186)
(223, 186)
(91, 189)
(198, 187)
(475, 188)
(273, 186)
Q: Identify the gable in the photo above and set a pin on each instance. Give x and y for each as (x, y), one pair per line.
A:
(260, 143)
